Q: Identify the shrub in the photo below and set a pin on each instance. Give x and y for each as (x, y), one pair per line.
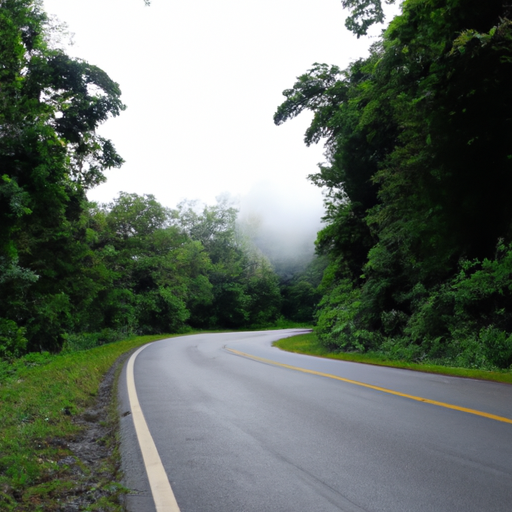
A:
(12, 339)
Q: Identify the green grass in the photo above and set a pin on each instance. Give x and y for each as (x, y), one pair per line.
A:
(39, 396)
(308, 344)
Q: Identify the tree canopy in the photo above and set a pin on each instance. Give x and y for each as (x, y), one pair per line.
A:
(364, 14)
(418, 175)
(50, 153)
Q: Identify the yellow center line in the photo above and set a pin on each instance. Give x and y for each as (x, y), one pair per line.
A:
(377, 388)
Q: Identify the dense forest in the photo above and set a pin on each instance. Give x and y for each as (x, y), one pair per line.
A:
(415, 256)
(77, 274)
(419, 174)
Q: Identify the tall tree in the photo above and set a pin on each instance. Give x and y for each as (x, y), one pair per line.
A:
(50, 153)
(244, 286)
(160, 273)
(419, 166)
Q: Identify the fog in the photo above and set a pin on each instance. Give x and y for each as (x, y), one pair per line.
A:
(283, 223)
(201, 81)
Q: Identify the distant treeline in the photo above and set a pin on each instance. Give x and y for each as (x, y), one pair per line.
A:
(134, 266)
(419, 172)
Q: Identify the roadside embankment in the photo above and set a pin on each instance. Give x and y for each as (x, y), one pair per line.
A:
(309, 344)
(58, 445)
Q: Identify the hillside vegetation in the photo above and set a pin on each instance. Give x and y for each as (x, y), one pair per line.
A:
(419, 174)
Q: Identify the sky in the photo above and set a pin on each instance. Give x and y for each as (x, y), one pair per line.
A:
(201, 80)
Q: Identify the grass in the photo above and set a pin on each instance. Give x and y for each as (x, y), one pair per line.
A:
(40, 398)
(308, 344)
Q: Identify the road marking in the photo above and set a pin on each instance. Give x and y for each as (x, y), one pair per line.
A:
(160, 487)
(384, 390)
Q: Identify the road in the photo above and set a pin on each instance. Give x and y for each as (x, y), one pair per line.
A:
(236, 431)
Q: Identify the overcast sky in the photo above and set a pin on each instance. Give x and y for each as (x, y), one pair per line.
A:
(201, 80)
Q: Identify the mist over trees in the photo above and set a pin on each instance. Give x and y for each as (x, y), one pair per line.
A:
(73, 272)
(282, 225)
(419, 173)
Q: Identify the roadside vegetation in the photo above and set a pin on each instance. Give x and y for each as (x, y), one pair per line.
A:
(48, 403)
(413, 265)
(418, 176)
(75, 273)
(310, 344)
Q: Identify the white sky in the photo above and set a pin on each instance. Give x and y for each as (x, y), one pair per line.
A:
(201, 80)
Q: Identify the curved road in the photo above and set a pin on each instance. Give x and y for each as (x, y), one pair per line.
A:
(240, 427)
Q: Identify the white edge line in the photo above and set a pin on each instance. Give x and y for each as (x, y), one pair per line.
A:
(160, 487)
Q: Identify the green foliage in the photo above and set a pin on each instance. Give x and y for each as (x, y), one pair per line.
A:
(40, 397)
(338, 326)
(418, 175)
(50, 153)
(265, 296)
(73, 274)
(159, 310)
(300, 295)
(12, 339)
(243, 289)
(137, 267)
(309, 344)
(364, 14)
(299, 301)
(496, 346)
(76, 342)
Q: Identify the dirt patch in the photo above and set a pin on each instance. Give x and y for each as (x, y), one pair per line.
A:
(92, 467)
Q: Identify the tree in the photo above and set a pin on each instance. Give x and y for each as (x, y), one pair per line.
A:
(300, 295)
(160, 273)
(50, 153)
(418, 163)
(364, 14)
(244, 286)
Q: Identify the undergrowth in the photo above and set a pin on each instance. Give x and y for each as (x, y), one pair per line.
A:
(309, 344)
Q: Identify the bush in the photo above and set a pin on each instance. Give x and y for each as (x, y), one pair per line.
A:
(77, 342)
(13, 343)
(338, 325)
(496, 346)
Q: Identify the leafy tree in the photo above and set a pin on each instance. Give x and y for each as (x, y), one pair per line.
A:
(70, 269)
(418, 167)
(364, 14)
(215, 228)
(265, 296)
(157, 269)
(50, 153)
(244, 287)
(301, 294)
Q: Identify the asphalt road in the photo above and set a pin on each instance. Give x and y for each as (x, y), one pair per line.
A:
(239, 434)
